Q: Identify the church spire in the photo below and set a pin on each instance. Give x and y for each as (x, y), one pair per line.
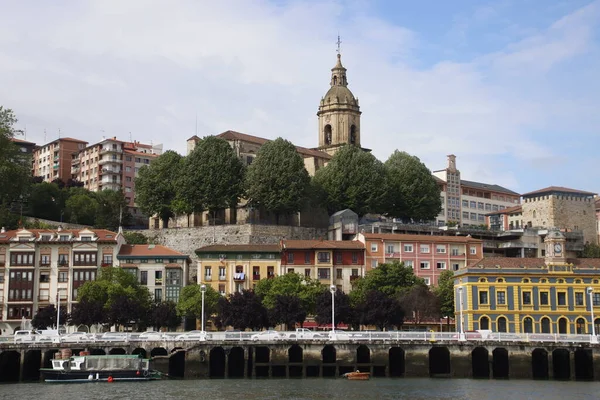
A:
(338, 73)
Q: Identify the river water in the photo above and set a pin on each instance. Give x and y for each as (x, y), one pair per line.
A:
(385, 388)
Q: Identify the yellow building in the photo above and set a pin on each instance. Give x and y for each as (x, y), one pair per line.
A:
(233, 268)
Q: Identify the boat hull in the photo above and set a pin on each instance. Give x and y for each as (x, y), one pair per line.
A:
(357, 376)
(55, 376)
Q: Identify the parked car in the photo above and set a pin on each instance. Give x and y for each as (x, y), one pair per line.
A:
(26, 336)
(233, 335)
(338, 335)
(151, 335)
(194, 335)
(268, 335)
(304, 333)
(77, 337)
(114, 337)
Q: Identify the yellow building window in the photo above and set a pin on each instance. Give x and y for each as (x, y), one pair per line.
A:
(483, 297)
(501, 298)
(561, 299)
(544, 299)
(579, 299)
(526, 298)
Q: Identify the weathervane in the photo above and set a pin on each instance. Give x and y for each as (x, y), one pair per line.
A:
(339, 42)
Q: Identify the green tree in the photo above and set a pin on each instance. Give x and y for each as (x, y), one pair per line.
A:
(135, 238)
(412, 189)
(112, 210)
(343, 309)
(391, 279)
(381, 310)
(306, 289)
(45, 317)
(82, 208)
(212, 177)
(353, 179)
(15, 169)
(122, 298)
(288, 310)
(88, 313)
(277, 180)
(419, 303)
(156, 185)
(590, 250)
(164, 314)
(445, 294)
(190, 302)
(243, 310)
(46, 201)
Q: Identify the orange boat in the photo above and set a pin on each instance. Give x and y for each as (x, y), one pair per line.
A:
(357, 376)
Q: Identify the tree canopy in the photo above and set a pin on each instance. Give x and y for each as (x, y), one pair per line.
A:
(419, 303)
(353, 179)
(190, 302)
(391, 279)
(45, 317)
(380, 310)
(243, 310)
(343, 310)
(156, 185)
(445, 293)
(591, 250)
(288, 310)
(277, 180)
(412, 191)
(305, 288)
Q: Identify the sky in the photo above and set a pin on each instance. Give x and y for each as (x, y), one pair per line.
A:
(509, 86)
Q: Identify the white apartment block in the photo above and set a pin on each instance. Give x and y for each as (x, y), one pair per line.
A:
(466, 202)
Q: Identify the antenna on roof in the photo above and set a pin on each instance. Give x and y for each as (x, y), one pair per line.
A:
(25, 132)
(59, 133)
(130, 137)
(339, 42)
(44, 135)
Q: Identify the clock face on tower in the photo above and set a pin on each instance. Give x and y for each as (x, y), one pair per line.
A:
(558, 248)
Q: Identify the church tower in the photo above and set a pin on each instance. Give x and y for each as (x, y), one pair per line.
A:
(339, 113)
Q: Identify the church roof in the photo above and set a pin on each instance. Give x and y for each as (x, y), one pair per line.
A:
(304, 152)
(558, 189)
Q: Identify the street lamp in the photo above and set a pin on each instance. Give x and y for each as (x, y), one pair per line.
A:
(590, 292)
(461, 335)
(332, 290)
(203, 290)
(58, 311)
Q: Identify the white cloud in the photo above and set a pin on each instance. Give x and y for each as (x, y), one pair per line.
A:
(152, 67)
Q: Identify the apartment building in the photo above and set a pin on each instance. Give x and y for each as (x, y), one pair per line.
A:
(24, 146)
(332, 262)
(53, 160)
(162, 270)
(113, 165)
(37, 265)
(233, 268)
(427, 255)
(467, 202)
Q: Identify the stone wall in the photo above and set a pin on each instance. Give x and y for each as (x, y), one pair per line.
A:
(187, 240)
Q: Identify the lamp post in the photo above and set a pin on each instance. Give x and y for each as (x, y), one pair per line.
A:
(203, 289)
(58, 311)
(461, 335)
(590, 292)
(332, 290)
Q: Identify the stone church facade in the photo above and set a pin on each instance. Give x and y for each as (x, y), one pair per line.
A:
(339, 124)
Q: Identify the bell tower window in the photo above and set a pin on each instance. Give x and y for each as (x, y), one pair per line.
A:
(353, 134)
(327, 134)
(335, 80)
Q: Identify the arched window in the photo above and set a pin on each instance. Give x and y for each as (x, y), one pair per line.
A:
(327, 134)
(500, 280)
(533, 213)
(580, 326)
(335, 80)
(353, 134)
(563, 326)
(502, 324)
(484, 323)
(527, 325)
(545, 325)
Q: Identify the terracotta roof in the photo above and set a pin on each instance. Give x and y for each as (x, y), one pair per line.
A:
(239, 248)
(140, 153)
(21, 141)
(233, 135)
(508, 210)
(102, 234)
(147, 250)
(323, 244)
(513, 262)
(486, 186)
(420, 238)
(559, 189)
(195, 137)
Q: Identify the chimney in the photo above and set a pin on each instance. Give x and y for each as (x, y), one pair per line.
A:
(59, 228)
(452, 162)
(3, 230)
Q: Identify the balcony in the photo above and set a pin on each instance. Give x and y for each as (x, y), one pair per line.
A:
(74, 170)
(256, 277)
(55, 166)
(392, 255)
(110, 150)
(44, 298)
(457, 254)
(110, 185)
(111, 171)
(239, 277)
(63, 264)
(354, 277)
(158, 282)
(207, 278)
(222, 278)
(110, 161)
(270, 276)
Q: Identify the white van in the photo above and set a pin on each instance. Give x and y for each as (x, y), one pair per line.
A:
(26, 336)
